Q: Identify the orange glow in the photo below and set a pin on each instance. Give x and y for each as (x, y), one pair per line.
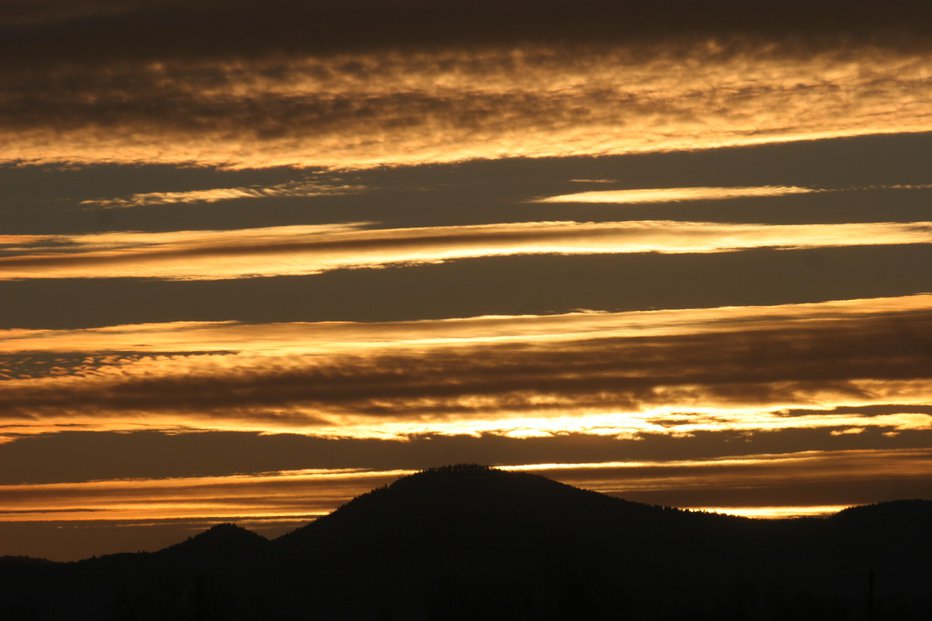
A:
(753, 480)
(608, 374)
(703, 193)
(333, 337)
(299, 162)
(413, 108)
(673, 418)
(299, 494)
(776, 513)
(305, 494)
(301, 250)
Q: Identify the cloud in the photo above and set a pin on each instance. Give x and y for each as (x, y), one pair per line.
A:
(516, 285)
(213, 195)
(184, 84)
(305, 494)
(673, 195)
(625, 374)
(703, 193)
(73, 456)
(304, 249)
(333, 337)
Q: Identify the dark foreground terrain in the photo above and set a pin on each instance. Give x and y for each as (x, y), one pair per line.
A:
(467, 542)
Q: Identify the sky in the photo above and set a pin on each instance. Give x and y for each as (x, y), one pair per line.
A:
(256, 259)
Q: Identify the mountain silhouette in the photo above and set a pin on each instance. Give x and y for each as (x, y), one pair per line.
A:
(219, 543)
(469, 542)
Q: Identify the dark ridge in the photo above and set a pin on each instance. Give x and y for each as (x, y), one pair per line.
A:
(222, 539)
(907, 508)
(23, 561)
(459, 492)
(471, 542)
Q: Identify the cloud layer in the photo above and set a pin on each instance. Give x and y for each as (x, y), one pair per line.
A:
(604, 374)
(200, 87)
(300, 250)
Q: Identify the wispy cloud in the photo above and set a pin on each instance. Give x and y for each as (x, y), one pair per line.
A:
(283, 190)
(751, 470)
(293, 250)
(75, 520)
(672, 195)
(331, 337)
(702, 193)
(305, 494)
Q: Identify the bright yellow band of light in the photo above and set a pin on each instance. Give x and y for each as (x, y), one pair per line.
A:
(611, 374)
(776, 513)
(664, 195)
(302, 250)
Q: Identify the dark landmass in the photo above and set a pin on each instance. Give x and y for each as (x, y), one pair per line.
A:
(466, 542)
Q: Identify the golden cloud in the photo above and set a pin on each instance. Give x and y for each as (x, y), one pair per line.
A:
(213, 195)
(672, 195)
(363, 109)
(303, 249)
(616, 374)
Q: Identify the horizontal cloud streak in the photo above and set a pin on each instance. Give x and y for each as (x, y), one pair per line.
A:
(308, 493)
(668, 372)
(368, 106)
(328, 338)
(299, 494)
(703, 193)
(91, 456)
(289, 189)
(413, 128)
(672, 195)
(301, 250)
(75, 520)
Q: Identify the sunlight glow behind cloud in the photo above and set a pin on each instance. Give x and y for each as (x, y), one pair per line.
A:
(304, 494)
(615, 374)
(302, 249)
(664, 195)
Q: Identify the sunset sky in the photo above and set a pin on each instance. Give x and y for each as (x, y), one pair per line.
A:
(259, 257)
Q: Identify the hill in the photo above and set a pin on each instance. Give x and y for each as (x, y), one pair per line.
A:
(467, 542)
